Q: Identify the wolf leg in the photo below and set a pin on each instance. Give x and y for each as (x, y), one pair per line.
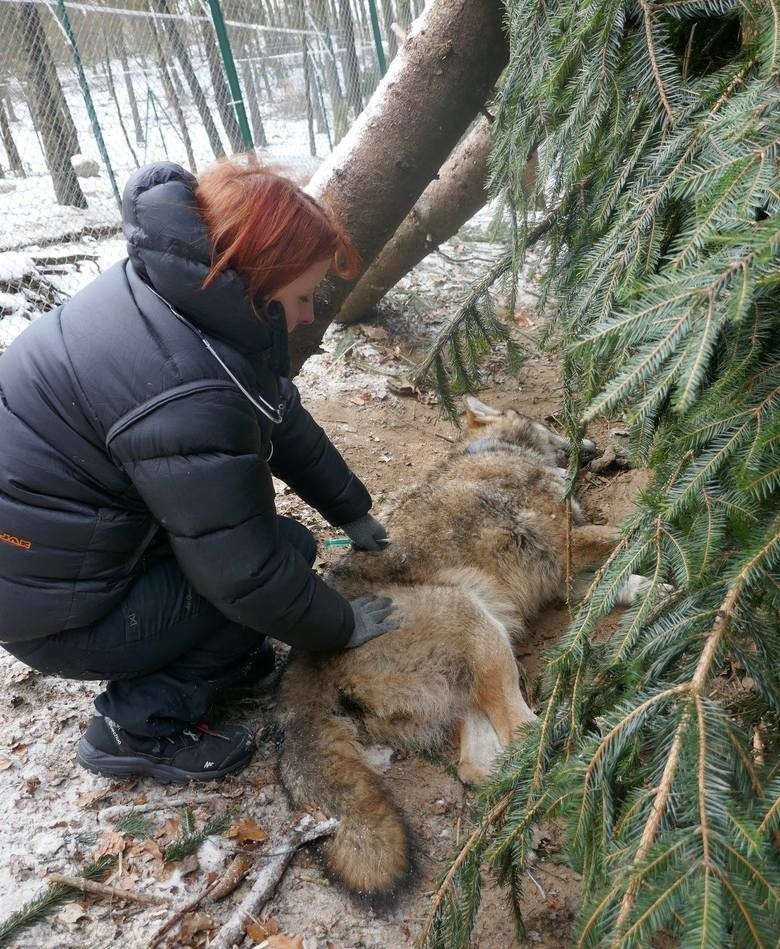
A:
(479, 747)
(497, 690)
(592, 544)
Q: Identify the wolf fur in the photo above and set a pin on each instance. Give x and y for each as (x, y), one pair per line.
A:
(476, 553)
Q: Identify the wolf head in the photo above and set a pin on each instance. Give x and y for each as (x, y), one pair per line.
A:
(495, 429)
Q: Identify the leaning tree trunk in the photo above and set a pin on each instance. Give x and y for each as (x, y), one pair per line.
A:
(47, 105)
(448, 202)
(433, 89)
(457, 193)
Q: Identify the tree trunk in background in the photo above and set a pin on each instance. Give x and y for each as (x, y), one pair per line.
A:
(221, 91)
(311, 96)
(5, 95)
(14, 159)
(453, 55)
(319, 12)
(172, 95)
(389, 18)
(350, 62)
(117, 104)
(405, 16)
(252, 96)
(48, 106)
(179, 48)
(456, 194)
(139, 132)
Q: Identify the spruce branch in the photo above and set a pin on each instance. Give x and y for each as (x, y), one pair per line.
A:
(38, 909)
(661, 797)
(647, 16)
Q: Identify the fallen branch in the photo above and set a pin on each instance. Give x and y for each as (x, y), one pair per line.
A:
(180, 800)
(304, 832)
(103, 889)
(168, 925)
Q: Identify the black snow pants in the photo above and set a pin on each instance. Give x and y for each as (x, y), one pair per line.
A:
(166, 651)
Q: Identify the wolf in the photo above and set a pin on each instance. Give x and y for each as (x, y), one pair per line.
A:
(477, 551)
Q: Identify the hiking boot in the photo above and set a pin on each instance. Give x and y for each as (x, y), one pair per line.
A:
(196, 753)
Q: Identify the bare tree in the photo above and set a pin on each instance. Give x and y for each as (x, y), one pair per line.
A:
(139, 132)
(14, 159)
(350, 61)
(172, 95)
(319, 14)
(220, 86)
(183, 56)
(48, 106)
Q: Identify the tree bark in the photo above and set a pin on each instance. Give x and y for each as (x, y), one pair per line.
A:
(457, 193)
(433, 89)
(47, 104)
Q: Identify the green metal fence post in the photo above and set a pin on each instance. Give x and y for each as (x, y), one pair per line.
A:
(65, 22)
(380, 53)
(230, 71)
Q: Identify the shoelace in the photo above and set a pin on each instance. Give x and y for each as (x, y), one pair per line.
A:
(208, 730)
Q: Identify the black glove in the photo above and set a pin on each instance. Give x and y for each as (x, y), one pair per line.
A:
(366, 533)
(372, 614)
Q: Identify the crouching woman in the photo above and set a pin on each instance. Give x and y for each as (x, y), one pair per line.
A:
(141, 423)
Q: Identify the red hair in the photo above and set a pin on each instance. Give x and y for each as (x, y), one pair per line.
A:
(265, 227)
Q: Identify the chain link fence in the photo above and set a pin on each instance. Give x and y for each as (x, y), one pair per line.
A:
(91, 89)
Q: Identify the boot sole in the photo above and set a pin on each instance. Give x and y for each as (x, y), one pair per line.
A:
(113, 766)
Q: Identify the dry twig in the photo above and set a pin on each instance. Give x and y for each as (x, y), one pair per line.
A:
(304, 832)
(104, 889)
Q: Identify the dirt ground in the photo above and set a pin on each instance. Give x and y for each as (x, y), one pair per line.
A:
(54, 817)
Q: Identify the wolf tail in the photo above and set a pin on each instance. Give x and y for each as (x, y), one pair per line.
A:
(323, 766)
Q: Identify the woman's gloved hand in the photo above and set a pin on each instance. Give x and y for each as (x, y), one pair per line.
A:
(366, 533)
(372, 618)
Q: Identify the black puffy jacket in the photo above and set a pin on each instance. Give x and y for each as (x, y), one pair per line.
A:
(116, 419)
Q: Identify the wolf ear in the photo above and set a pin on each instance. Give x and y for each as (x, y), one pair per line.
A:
(478, 413)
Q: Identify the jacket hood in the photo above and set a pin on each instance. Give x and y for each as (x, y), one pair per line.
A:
(170, 249)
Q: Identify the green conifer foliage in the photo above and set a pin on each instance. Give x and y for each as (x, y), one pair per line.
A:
(657, 125)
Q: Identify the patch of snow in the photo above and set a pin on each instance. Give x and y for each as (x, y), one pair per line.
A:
(10, 327)
(15, 266)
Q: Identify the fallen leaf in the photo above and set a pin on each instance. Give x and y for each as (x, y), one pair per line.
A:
(281, 941)
(88, 798)
(71, 913)
(110, 841)
(259, 930)
(5, 764)
(246, 829)
(361, 398)
(192, 924)
(373, 332)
